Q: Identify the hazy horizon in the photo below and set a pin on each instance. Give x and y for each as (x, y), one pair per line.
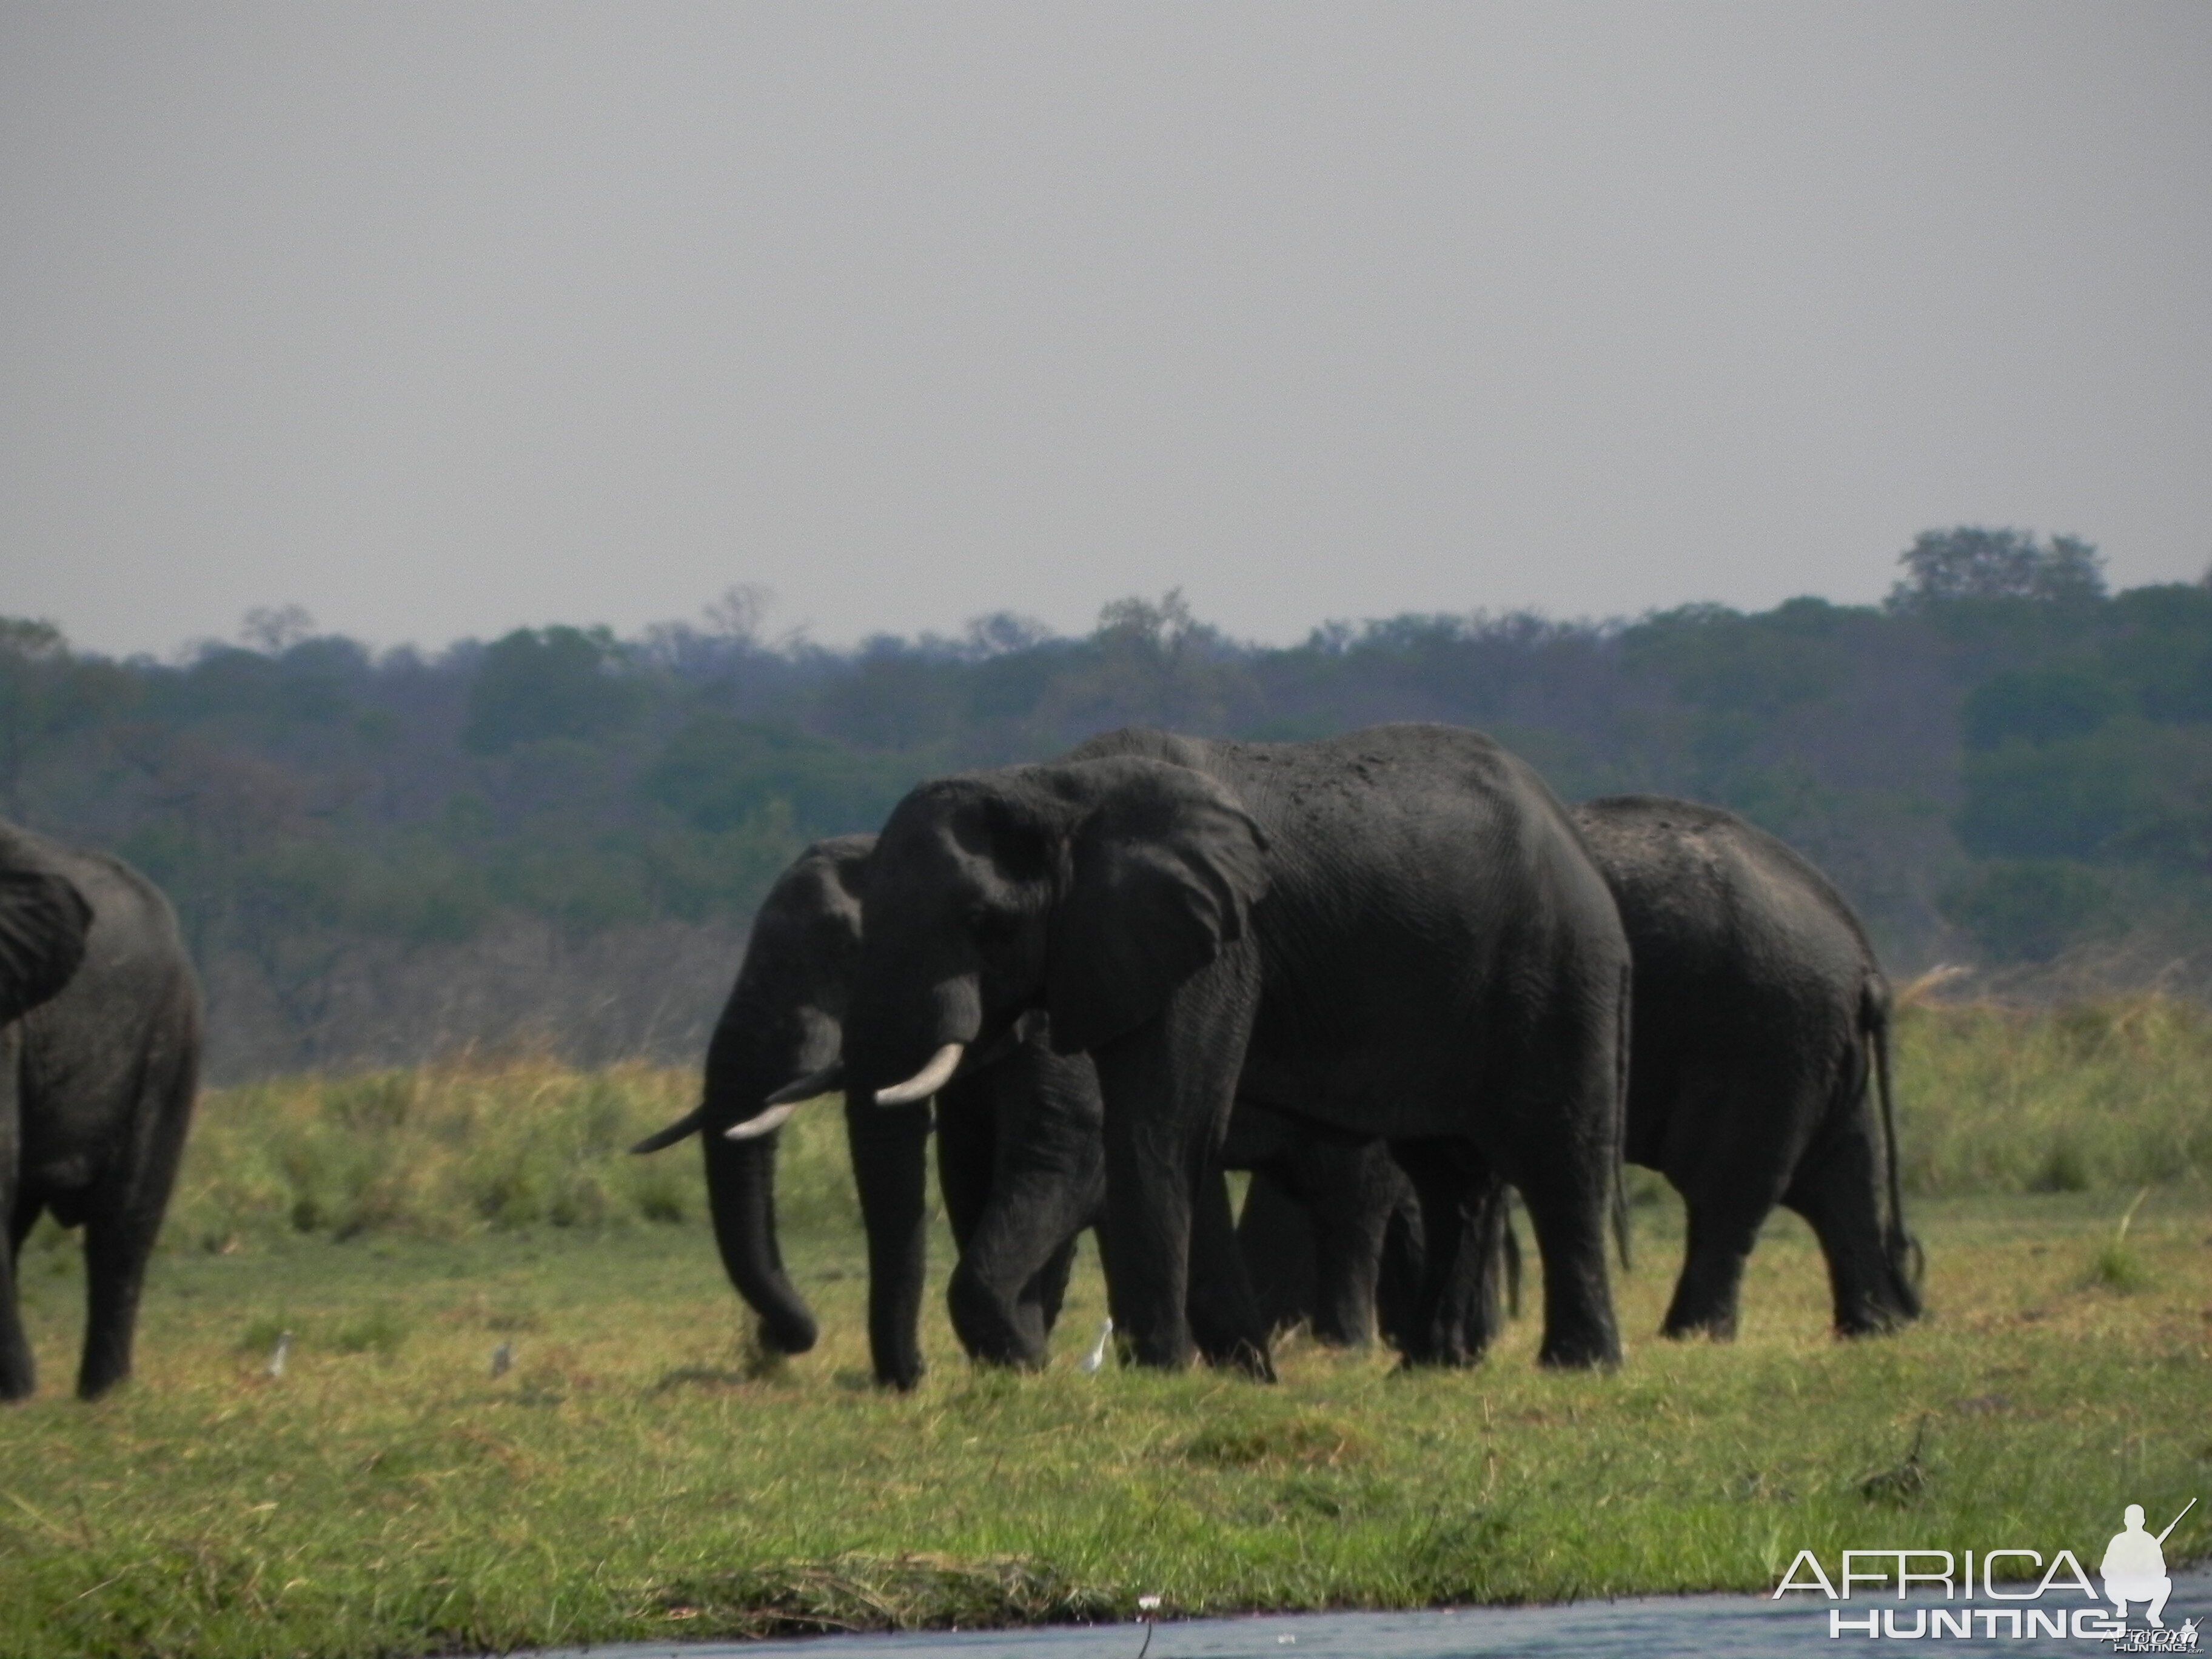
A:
(441, 322)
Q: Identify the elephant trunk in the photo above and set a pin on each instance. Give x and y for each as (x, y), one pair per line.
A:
(741, 1192)
(757, 1046)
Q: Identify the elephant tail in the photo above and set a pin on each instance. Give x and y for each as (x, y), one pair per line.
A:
(1906, 1258)
(683, 1129)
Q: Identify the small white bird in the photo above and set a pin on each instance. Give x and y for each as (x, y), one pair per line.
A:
(1097, 1357)
(502, 1357)
(284, 1348)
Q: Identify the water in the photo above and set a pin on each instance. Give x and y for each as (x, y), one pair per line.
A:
(1658, 1627)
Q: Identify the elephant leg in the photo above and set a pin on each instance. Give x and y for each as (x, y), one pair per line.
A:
(1275, 1235)
(1559, 1138)
(997, 1296)
(1567, 1205)
(116, 1250)
(124, 1216)
(1225, 1318)
(1354, 1191)
(1051, 1142)
(1704, 1301)
(1048, 1292)
(1450, 1326)
(1168, 1087)
(120, 1227)
(18, 1374)
(1398, 1275)
(1837, 1189)
(1043, 1179)
(891, 1166)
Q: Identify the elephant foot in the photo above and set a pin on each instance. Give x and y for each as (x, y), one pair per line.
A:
(1873, 1323)
(995, 1330)
(1338, 1333)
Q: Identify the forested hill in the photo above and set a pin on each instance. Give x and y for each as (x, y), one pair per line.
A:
(565, 831)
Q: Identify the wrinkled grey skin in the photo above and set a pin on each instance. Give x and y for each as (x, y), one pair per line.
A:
(96, 1091)
(1330, 1234)
(1758, 1074)
(1021, 1157)
(1284, 1236)
(1395, 934)
(1762, 1018)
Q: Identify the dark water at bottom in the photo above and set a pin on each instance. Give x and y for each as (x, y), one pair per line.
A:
(1658, 1627)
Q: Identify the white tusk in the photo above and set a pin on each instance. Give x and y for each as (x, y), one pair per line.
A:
(766, 1123)
(927, 1081)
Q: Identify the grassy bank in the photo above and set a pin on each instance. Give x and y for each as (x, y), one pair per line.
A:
(636, 1472)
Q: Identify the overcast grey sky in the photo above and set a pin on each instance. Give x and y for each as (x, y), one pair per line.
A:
(442, 320)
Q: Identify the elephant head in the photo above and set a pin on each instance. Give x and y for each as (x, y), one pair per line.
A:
(1091, 889)
(44, 921)
(782, 1026)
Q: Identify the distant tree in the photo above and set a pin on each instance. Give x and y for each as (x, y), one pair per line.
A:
(1159, 628)
(47, 692)
(33, 654)
(547, 683)
(2027, 909)
(1973, 562)
(275, 629)
(739, 611)
(2038, 707)
(1002, 632)
(721, 773)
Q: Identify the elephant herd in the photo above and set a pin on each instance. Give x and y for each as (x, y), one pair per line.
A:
(1388, 973)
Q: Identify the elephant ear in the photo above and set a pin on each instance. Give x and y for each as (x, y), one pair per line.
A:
(1162, 876)
(43, 923)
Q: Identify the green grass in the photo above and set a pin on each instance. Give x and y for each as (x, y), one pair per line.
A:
(640, 1472)
(2103, 1096)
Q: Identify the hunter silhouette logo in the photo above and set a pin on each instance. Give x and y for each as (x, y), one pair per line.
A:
(2133, 1568)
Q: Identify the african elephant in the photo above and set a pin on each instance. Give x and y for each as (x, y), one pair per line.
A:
(1394, 934)
(1022, 1128)
(1021, 1157)
(96, 1090)
(1761, 1018)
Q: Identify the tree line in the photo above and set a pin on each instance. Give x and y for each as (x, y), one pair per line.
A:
(2003, 761)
